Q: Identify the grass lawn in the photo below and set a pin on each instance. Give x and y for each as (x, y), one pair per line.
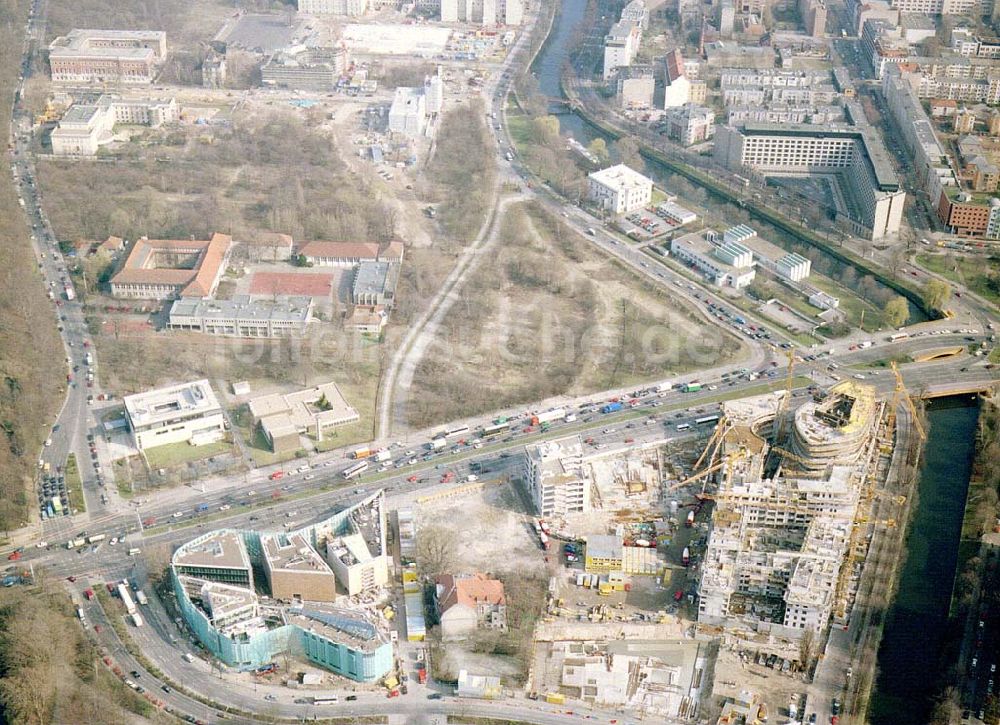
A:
(177, 454)
(850, 304)
(74, 485)
(883, 363)
(973, 272)
(995, 355)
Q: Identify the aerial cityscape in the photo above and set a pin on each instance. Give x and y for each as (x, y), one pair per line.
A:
(500, 361)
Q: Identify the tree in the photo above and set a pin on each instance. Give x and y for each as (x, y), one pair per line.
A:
(599, 148)
(546, 130)
(436, 550)
(897, 312)
(626, 151)
(936, 294)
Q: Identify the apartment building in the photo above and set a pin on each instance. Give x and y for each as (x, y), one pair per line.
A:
(690, 124)
(857, 158)
(182, 413)
(85, 127)
(129, 57)
(676, 86)
(813, 14)
(620, 46)
(482, 12)
(243, 316)
(619, 189)
(557, 477)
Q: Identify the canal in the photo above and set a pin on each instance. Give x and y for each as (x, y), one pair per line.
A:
(915, 626)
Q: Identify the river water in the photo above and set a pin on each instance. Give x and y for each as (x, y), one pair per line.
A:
(908, 659)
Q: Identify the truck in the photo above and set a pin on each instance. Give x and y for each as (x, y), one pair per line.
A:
(140, 596)
(548, 416)
(88, 359)
(126, 598)
(422, 676)
(383, 455)
(69, 292)
(611, 407)
(689, 521)
(96, 538)
(437, 444)
(76, 543)
(864, 344)
(570, 417)
(361, 453)
(136, 619)
(664, 387)
(686, 555)
(692, 387)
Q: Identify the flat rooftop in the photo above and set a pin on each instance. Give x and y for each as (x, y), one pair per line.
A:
(292, 553)
(221, 549)
(620, 177)
(244, 307)
(604, 546)
(337, 625)
(885, 176)
(164, 404)
(303, 407)
(373, 278)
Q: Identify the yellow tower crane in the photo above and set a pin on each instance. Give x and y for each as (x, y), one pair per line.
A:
(779, 416)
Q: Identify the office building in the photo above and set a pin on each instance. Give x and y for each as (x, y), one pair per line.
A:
(295, 571)
(85, 127)
(218, 600)
(467, 602)
(128, 57)
(813, 14)
(852, 156)
(408, 112)
(306, 68)
(723, 262)
(183, 413)
(242, 316)
(375, 284)
(163, 269)
(283, 417)
(557, 478)
(619, 189)
(355, 546)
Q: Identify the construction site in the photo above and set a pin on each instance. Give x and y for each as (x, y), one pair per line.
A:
(760, 550)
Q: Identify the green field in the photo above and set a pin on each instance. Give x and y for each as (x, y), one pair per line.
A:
(74, 486)
(972, 272)
(177, 454)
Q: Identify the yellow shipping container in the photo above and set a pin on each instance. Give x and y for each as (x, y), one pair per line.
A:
(555, 698)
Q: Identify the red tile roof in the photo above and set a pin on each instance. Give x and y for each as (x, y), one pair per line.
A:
(469, 590)
(196, 282)
(340, 250)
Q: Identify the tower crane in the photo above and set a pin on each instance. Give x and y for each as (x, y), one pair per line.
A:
(779, 419)
(901, 395)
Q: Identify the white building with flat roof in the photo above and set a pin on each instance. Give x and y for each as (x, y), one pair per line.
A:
(408, 112)
(619, 189)
(557, 478)
(187, 412)
(620, 46)
(85, 127)
(726, 263)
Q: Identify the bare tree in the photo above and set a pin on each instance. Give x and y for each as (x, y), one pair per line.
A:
(437, 550)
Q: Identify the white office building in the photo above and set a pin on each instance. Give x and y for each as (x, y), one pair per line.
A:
(187, 412)
(85, 127)
(724, 263)
(871, 190)
(350, 8)
(619, 189)
(408, 113)
(557, 478)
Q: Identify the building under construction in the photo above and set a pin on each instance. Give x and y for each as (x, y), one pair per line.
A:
(793, 487)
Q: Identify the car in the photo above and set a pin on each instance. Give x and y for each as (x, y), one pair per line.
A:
(165, 688)
(351, 698)
(135, 674)
(71, 579)
(435, 696)
(270, 698)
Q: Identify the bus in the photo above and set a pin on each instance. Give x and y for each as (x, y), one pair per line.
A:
(898, 336)
(331, 700)
(460, 431)
(684, 426)
(494, 429)
(356, 470)
(706, 420)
